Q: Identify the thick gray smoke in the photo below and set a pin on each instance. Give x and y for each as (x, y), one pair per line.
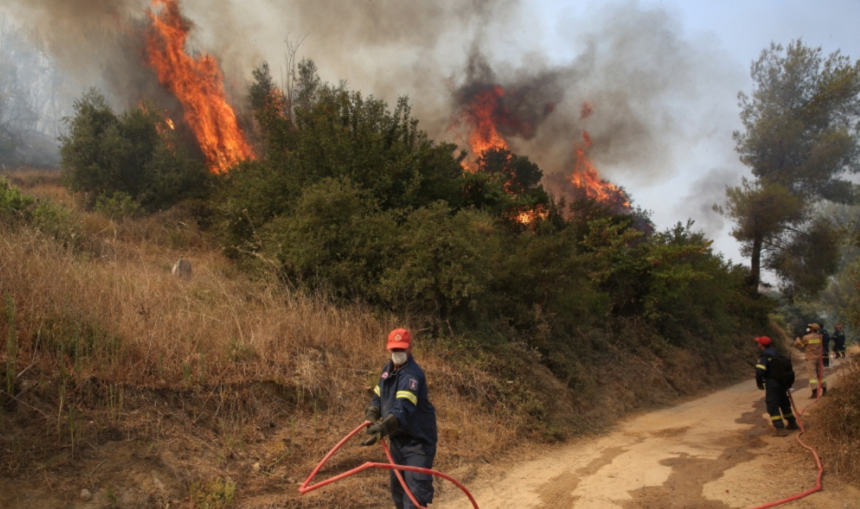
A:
(94, 43)
(650, 87)
(707, 191)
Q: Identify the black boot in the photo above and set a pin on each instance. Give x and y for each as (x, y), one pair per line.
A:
(792, 424)
(814, 394)
(824, 391)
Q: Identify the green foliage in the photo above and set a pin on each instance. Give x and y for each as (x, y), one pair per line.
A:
(214, 494)
(15, 206)
(335, 238)
(119, 205)
(352, 199)
(134, 153)
(441, 263)
(801, 120)
(18, 209)
(506, 185)
(800, 139)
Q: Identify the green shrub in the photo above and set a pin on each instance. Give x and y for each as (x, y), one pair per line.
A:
(19, 209)
(15, 206)
(336, 238)
(441, 263)
(134, 153)
(118, 205)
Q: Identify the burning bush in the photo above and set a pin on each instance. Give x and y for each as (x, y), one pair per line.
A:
(353, 198)
(135, 153)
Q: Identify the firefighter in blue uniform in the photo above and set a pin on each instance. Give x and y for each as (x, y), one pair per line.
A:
(409, 420)
(839, 341)
(776, 395)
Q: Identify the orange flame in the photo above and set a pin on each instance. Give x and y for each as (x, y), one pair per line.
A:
(481, 116)
(485, 136)
(197, 83)
(586, 177)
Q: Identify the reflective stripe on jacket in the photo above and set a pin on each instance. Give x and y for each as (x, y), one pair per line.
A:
(403, 392)
(811, 344)
(762, 367)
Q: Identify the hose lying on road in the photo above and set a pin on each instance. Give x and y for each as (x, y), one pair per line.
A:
(305, 487)
(817, 486)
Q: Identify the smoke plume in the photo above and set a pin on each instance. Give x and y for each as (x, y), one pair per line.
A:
(650, 86)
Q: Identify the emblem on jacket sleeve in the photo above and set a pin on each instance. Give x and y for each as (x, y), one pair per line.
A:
(413, 384)
(385, 375)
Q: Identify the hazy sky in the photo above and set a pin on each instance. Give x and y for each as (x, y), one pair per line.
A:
(662, 75)
(735, 31)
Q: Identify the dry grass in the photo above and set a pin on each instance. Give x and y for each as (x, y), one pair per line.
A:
(218, 370)
(225, 380)
(835, 425)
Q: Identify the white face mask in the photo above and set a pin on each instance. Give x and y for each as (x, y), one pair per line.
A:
(399, 358)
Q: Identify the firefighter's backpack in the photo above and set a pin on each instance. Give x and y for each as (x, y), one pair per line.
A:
(781, 370)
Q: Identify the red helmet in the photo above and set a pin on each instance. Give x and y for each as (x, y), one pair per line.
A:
(763, 340)
(399, 338)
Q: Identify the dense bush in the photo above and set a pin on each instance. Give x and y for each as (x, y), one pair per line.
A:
(349, 197)
(352, 198)
(135, 154)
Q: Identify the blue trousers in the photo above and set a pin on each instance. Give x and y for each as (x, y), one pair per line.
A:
(778, 404)
(414, 454)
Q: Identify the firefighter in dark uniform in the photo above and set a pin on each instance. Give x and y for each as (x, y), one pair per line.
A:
(409, 420)
(825, 346)
(839, 341)
(776, 395)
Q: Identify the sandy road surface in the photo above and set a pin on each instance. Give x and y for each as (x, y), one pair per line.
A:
(713, 452)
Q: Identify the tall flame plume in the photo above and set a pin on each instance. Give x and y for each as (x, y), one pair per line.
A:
(484, 114)
(586, 177)
(198, 84)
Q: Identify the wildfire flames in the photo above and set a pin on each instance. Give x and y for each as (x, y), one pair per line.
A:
(586, 177)
(197, 84)
(484, 114)
(489, 118)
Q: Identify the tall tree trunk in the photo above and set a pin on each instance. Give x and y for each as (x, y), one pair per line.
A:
(755, 264)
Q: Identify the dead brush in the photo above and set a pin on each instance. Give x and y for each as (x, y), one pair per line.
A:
(242, 369)
(835, 425)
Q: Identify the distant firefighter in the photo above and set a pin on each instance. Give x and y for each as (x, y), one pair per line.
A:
(839, 341)
(812, 355)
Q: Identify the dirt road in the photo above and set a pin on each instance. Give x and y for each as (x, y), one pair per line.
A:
(713, 452)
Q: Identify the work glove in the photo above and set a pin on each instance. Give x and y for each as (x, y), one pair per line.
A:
(381, 429)
(372, 414)
(759, 384)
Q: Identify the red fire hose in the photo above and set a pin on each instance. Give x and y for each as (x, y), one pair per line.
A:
(305, 487)
(817, 486)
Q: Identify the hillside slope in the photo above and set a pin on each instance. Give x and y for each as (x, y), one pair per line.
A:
(147, 389)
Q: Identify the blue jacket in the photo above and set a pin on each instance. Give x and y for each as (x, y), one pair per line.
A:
(838, 339)
(762, 366)
(404, 393)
